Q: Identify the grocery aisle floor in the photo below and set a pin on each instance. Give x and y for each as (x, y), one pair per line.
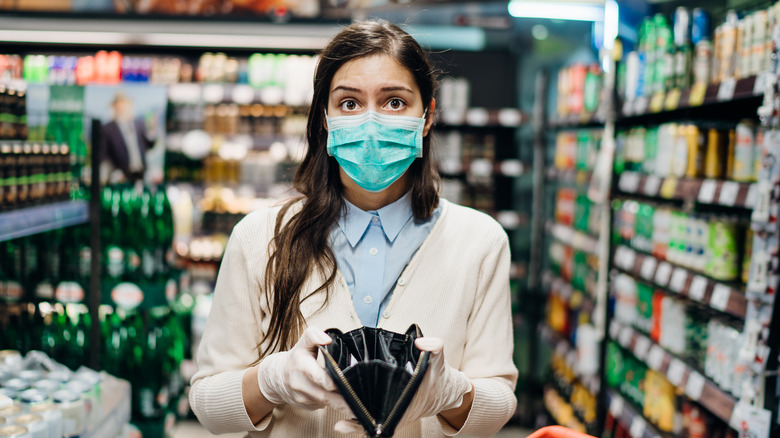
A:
(193, 429)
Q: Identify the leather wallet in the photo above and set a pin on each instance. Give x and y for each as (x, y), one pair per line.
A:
(378, 372)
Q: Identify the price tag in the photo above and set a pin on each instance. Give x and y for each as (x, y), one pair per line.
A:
(657, 102)
(726, 89)
(616, 406)
(641, 347)
(698, 92)
(679, 277)
(640, 105)
(655, 357)
(672, 99)
(720, 297)
(759, 87)
(676, 372)
(619, 254)
(638, 427)
(752, 421)
(728, 193)
(698, 288)
(669, 188)
(663, 273)
(648, 268)
(625, 336)
(694, 385)
(707, 191)
(629, 182)
(752, 196)
(652, 185)
(629, 260)
(614, 330)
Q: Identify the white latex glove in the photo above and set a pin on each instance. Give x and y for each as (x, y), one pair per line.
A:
(442, 389)
(294, 377)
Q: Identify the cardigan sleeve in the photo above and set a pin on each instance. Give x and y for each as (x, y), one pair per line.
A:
(487, 359)
(230, 341)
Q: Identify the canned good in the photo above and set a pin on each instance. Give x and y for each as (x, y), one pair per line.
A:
(32, 397)
(47, 385)
(88, 393)
(15, 431)
(74, 411)
(11, 412)
(16, 384)
(60, 376)
(5, 375)
(10, 393)
(10, 357)
(52, 415)
(5, 401)
(35, 425)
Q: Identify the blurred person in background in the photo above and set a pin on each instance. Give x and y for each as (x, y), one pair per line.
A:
(369, 243)
(125, 141)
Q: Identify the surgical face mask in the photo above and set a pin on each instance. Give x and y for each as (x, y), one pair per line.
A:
(375, 149)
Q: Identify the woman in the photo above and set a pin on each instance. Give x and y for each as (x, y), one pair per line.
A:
(369, 243)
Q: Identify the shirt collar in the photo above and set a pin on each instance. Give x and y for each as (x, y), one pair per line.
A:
(393, 217)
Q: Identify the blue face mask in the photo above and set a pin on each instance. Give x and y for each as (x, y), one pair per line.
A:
(375, 149)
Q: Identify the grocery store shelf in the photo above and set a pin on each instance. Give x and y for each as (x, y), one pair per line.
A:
(482, 117)
(116, 408)
(699, 95)
(577, 239)
(695, 386)
(564, 289)
(33, 220)
(684, 282)
(564, 348)
(577, 121)
(703, 191)
(624, 413)
(569, 176)
(561, 410)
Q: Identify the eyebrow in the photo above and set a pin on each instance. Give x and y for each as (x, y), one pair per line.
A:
(383, 89)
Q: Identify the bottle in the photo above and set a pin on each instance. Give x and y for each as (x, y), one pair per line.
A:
(114, 255)
(128, 236)
(696, 145)
(712, 160)
(743, 168)
(680, 158)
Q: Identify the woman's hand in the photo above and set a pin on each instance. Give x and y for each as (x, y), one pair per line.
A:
(294, 377)
(443, 388)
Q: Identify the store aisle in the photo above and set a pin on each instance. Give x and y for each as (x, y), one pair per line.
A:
(193, 429)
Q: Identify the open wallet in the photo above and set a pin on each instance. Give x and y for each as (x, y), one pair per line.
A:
(378, 372)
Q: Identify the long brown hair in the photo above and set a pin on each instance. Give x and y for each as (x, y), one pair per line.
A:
(301, 244)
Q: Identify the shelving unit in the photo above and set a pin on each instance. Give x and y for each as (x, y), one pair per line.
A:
(689, 190)
(625, 413)
(39, 219)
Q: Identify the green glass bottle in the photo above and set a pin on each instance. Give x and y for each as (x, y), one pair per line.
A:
(129, 234)
(114, 255)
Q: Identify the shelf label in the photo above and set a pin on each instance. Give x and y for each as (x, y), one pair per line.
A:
(698, 92)
(663, 273)
(694, 385)
(652, 185)
(616, 406)
(657, 102)
(638, 427)
(640, 105)
(698, 288)
(629, 260)
(655, 357)
(728, 193)
(679, 277)
(759, 87)
(720, 297)
(641, 347)
(672, 99)
(726, 89)
(676, 372)
(477, 117)
(629, 182)
(648, 268)
(625, 336)
(614, 329)
(752, 421)
(669, 188)
(752, 196)
(619, 252)
(213, 93)
(707, 191)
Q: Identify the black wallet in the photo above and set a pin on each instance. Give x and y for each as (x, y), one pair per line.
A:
(378, 372)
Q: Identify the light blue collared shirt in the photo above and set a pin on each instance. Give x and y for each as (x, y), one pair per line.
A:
(372, 248)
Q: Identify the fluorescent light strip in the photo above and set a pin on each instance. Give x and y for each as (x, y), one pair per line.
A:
(164, 39)
(575, 11)
(611, 23)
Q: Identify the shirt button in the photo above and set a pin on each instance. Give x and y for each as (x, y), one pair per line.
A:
(374, 219)
(385, 314)
(401, 282)
(367, 299)
(373, 251)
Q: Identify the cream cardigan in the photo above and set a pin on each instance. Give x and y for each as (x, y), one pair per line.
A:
(456, 287)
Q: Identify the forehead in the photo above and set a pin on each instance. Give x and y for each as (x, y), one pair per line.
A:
(373, 71)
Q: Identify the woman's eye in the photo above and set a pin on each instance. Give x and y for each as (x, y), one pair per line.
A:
(396, 104)
(349, 105)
